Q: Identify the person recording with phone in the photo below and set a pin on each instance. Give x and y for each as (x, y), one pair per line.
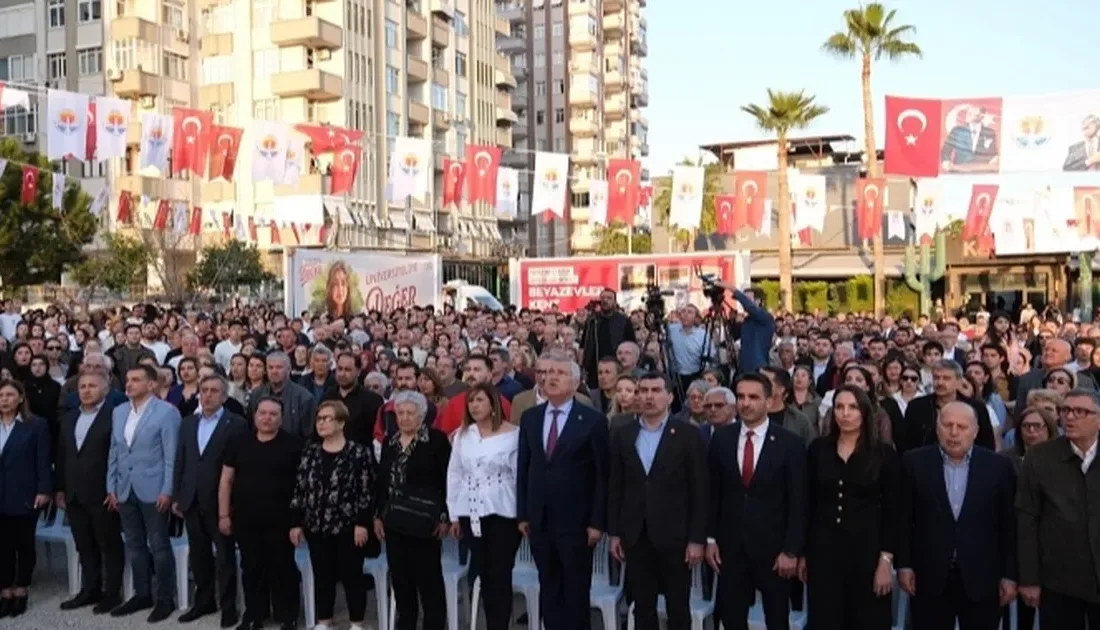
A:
(603, 333)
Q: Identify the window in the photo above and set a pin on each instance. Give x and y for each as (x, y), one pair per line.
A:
(540, 31)
(393, 80)
(265, 62)
(540, 117)
(17, 68)
(557, 29)
(540, 60)
(17, 21)
(540, 144)
(460, 140)
(460, 64)
(89, 10)
(216, 70)
(519, 60)
(175, 66)
(17, 120)
(559, 144)
(540, 88)
(460, 105)
(263, 12)
(461, 30)
(90, 61)
(557, 58)
(57, 66)
(56, 13)
(393, 124)
(439, 97)
(559, 86)
(171, 13)
(559, 115)
(219, 20)
(266, 109)
(391, 35)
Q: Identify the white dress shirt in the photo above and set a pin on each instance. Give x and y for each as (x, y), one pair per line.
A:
(6, 429)
(132, 421)
(758, 434)
(563, 417)
(481, 476)
(1086, 457)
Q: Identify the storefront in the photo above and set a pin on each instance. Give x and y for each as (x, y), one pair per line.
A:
(975, 280)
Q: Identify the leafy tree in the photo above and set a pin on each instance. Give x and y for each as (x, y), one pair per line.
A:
(783, 112)
(121, 264)
(712, 186)
(870, 34)
(38, 243)
(228, 266)
(612, 240)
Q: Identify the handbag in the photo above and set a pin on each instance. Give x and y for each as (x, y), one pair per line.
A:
(413, 512)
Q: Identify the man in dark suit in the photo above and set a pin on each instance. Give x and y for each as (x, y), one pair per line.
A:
(1085, 155)
(561, 494)
(970, 147)
(199, 458)
(82, 451)
(603, 332)
(821, 364)
(657, 505)
(757, 523)
(957, 543)
(919, 427)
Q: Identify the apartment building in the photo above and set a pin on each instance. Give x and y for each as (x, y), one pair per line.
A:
(581, 87)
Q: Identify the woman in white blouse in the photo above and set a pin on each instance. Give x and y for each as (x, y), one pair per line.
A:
(481, 498)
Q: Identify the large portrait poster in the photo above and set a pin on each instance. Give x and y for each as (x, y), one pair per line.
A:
(345, 284)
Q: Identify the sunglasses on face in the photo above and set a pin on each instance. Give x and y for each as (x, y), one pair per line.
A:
(909, 378)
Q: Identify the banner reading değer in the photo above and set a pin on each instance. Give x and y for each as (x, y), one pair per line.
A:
(345, 284)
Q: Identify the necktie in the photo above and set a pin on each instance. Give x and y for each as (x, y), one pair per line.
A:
(552, 438)
(747, 462)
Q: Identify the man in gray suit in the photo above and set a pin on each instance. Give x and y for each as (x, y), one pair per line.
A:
(298, 402)
(202, 444)
(140, 472)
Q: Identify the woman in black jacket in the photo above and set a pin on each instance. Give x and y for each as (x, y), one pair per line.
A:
(333, 510)
(411, 516)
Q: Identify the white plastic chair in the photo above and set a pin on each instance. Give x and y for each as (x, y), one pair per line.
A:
(797, 619)
(379, 569)
(900, 606)
(454, 571)
(701, 607)
(305, 567)
(605, 595)
(180, 547)
(57, 533)
(525, 581)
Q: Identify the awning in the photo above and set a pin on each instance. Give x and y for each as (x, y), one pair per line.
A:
(827, 264)
(423, 222)
(398, 221)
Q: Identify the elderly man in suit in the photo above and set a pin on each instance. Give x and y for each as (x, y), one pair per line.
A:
(204, 437)
(298, 403)
(534, 397)
(1085, 155)
(84, 446)
(561, 494)
(140, 471)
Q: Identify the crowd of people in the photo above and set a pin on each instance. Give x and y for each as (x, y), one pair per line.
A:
(790, 462)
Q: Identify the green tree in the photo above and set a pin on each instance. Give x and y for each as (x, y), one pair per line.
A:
(870, 34)
(225, 267)
(712, 186)
(38, 243)
(121, 264)
(611, 240)
(783, 112)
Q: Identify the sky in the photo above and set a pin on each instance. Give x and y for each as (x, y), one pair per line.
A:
(704, 63)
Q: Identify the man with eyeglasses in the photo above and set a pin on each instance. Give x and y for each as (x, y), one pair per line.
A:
(720, 408)
(1057, 498)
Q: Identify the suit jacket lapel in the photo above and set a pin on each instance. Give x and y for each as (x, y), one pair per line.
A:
(538, 434)
(101, 418)
(973, 478)
(217, 435)
(668, 433)
(935, 468)
(630, 440)
(766, 457)
(572, 426)
(141, 420)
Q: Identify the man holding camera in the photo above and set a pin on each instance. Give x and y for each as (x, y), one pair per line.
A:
(605, 330)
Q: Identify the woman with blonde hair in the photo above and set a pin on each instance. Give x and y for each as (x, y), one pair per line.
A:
(622, 409)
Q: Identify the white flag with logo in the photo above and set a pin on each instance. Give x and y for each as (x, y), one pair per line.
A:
(928, 212)
(111, 124)
(67, 127)
(182, 217)
(507, 193)
(895, 224)
(295, 159)
(687, 197)
(12, 97)
(269, 141)
(58, 192)
(240, 233)
(551, 183)
(410, 168)
(99, 204)
(808, 193)
(766, 220)
(597, 202)
(156, 140)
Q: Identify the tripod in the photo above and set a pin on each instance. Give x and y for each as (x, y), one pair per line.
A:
(655, 321)
(718, 332)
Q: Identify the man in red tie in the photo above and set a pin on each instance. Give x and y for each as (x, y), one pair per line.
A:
(561, 494)
(757, 523)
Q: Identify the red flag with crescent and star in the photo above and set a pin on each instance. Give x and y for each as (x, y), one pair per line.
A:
(326, 138)
(914, 127)
(190, 139)
(751, 192)
(624, 190)
(724, 215)
(454, 176)
(869, 207)
(1086, 206)
(482, 164)
(125, 208)
(223, 152)
(345, 166)
(160, 221)
(276, 234)
(194, 227)
(29, 190)
(90, 134)
(982, 198)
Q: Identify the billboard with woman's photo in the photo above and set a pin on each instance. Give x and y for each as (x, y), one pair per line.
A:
(345, 284)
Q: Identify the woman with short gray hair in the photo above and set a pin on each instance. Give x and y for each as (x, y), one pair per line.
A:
(412, 512)
(694, 412)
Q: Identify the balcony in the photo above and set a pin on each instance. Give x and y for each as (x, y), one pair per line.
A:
(417, 69)
(582, 8)
(441, 32)
(582, 97)
(416, 26)
(520, 73)
(504, 138)
(613, 24)
(155, 187)
(579, 214)
(640, 93)
(615, 132)
(137, 83)
(581, 39)
(504, 79)
(519, 130)
(502, 27)
(511, 45)
(444, 8)
(133, 131)
(209, 4)
(313, 84)
(441, 77)
(582, 127)
(504, 100)
(213, 95)
(216, 44)
(613, 81)
(584, 156)
(213, 192)
(519, 100)
(614, 108)
(637, 117)
(506, 116)
(638, 45)
(612, 6)
(441, 120)
(644, 149)
(127, 27)
(311, 32)
(419, 114)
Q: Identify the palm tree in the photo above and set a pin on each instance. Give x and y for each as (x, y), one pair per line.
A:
(870, 34)
(783, 112)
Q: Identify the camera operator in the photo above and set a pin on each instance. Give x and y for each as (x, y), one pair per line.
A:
(687, 340)
(757, 331)
(604, 331)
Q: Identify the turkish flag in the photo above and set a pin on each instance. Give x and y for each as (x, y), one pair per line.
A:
(482, 163)
(190, 139)
(646, 196)
(223, 152)
(1086, 204)
(454, 176)
(160, 221)
(344, 168)
(869, 206)
(194, 227)
(752, 190)
(805, 237)
(90, 134)
(125, 207)
(914, 127)
(724, 215)
(297, 235)
(29, 191)
(624, 186)
(227, 225)
(252, 229)
(325, 138)
(982, 198)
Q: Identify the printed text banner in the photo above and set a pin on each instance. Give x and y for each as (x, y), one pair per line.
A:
(345, 282)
